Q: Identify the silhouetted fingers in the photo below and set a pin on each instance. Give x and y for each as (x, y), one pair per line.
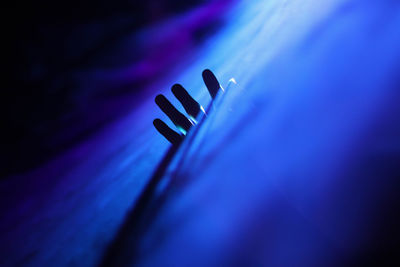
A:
(211, 82)
(190, 105)
(172, 136)
(181, 122)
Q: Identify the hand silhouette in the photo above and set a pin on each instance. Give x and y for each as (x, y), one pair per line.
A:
(193, 109)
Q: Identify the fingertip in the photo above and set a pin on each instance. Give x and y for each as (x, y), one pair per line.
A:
(211, 82)
(157, 122)
(159, 98)
(176, 88)
(207, 71)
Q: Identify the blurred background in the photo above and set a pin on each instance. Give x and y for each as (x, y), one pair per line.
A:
(72, 66)
(298, 166)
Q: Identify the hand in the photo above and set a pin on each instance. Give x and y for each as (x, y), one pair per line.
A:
(193, 109)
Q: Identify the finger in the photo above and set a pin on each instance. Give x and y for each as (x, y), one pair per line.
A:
(190, 105)
(172, 136)
(180, 121)
(211, 82)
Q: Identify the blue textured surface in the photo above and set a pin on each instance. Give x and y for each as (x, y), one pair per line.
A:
(299, 167)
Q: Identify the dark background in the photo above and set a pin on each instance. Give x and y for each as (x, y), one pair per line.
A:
(46, 108)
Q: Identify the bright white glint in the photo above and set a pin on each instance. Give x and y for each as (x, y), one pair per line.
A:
(232, 80)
